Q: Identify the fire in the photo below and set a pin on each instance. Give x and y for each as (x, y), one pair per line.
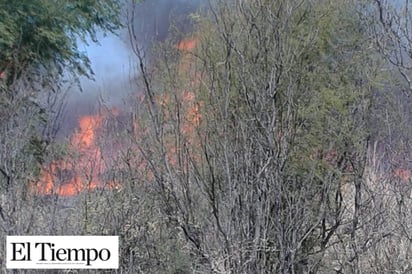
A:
(72, 175)
(83, 170)
(190, 108)
(192, 115)
(187, 44)
(402, 174)
(85, 137)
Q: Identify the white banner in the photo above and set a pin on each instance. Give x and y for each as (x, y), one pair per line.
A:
(62, 252)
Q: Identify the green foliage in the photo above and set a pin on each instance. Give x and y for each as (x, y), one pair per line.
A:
(43, 35)
(340, 72)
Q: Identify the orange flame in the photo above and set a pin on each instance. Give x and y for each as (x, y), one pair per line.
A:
(402, 174)
(68, 176)
(71, 176)
(187, 44)
(190, 108)
(85, 137)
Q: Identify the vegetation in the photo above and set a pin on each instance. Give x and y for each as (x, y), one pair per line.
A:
(42, 36)
(38, 52)
(274, 138)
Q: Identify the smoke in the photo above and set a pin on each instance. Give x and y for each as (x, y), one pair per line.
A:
(154, 18)
(113, 61)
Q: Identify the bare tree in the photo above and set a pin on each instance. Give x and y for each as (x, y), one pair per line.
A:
(391, 25)
(257, 185)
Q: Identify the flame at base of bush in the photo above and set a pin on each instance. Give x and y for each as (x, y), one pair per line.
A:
(83, 170)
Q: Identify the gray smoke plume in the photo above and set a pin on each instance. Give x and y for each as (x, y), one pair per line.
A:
(113, 62)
